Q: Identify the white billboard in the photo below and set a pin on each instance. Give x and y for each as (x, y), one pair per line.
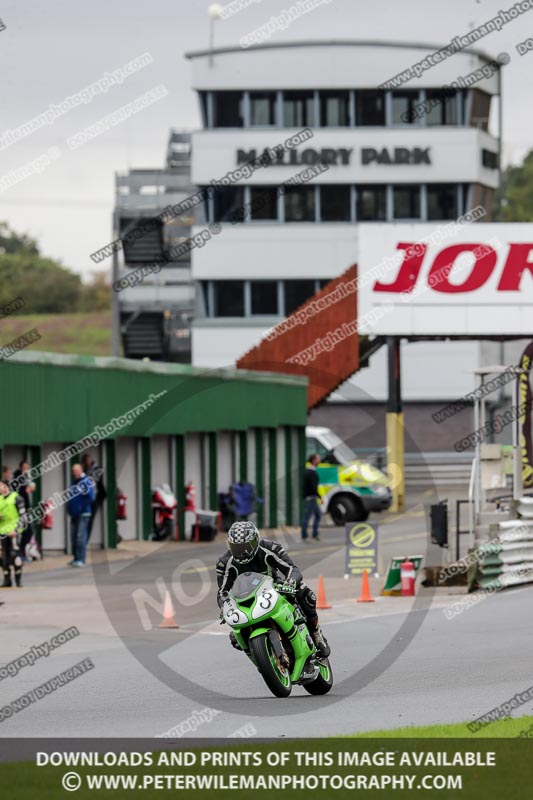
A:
(449, 279)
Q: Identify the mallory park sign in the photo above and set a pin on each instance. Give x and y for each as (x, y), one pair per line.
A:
(340, 156)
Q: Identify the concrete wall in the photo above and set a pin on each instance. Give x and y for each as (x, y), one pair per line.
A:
(162, 471)
(54, 481)
(128, 479)
(226, 465)
(126, 457)
(193, 466)
(363, 425)
(328, 65)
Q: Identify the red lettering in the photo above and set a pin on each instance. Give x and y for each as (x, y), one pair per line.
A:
(409, 269)
(515, 266)
(484, 262)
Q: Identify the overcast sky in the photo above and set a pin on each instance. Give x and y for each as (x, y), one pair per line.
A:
(53, 49)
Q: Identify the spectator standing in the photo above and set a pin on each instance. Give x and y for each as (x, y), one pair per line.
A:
(311, 497)
(79, 507)
(243, 499)
(25, 488)
(97, 476)
(11, 510)
(7, 475)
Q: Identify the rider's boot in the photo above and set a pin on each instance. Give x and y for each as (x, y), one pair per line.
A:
(234, 642)
(7, 579)
(18, 570)
(321, 643)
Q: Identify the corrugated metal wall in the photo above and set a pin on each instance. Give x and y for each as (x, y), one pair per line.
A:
(51, 398)
(54, 401)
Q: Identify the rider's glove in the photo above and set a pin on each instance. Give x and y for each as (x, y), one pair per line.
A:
(222, 597)
(287, 587)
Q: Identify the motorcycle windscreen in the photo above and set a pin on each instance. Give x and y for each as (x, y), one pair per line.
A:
(246, 584)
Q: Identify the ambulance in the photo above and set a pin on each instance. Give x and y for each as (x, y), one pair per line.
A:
(350, 488)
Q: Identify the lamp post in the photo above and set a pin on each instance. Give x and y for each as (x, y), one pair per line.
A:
(215, 12)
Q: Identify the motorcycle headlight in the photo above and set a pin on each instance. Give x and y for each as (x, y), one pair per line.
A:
(233, 615)
(266, 600)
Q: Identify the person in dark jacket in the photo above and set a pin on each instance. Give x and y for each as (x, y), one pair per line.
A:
(311, 497)
(97, 475)
(79, 507)
(7, 475)
(24, 487)
(243, 499)
(247, 552)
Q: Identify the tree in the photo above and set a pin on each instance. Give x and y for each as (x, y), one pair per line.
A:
(518, 191)
(12, 242)
(96, 295)
(45, 285)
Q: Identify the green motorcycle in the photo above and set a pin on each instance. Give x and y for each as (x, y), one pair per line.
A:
(273, 633)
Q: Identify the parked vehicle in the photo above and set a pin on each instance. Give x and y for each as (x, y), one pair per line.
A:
(164, 504)
(272, 631)
(349, 487)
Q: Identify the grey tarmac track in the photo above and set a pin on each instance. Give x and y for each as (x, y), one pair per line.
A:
(451, 670)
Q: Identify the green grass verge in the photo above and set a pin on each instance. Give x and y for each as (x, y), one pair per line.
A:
(508, 728)
(75, 334)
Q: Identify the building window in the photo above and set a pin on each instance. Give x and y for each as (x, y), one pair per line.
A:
(202, 300)
(442, 201)
(334, 109)
(228, 202)
(298, 109)
(264, 297)
(263, 108)
(335, 203)
(371, 203)
(489, 159)
(297, 293)
(403, 107)
(229, 298)
(227, 110)
(443, 107)
(263, 203)
(299, 204)
(480, 110)
(406, 202)
(370, 107)
(202, 96)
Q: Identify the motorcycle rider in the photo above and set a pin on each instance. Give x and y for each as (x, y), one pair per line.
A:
(247, 552)
(12, 508)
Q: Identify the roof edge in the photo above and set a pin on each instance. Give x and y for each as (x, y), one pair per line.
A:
(154, 367)
(191, 54)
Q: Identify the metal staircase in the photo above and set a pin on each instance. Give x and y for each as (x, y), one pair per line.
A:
(146, 248)
(143, 335)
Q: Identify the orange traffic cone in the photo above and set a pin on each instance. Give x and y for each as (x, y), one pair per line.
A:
(365, 596)
(168, 620)
(321, 594)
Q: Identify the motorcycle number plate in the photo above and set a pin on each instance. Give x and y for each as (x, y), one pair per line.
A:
(266, 600)
(233, 615)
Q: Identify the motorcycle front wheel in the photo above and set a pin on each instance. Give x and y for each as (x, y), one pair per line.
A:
(324, 681)
(276, 676)
(164, 531)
